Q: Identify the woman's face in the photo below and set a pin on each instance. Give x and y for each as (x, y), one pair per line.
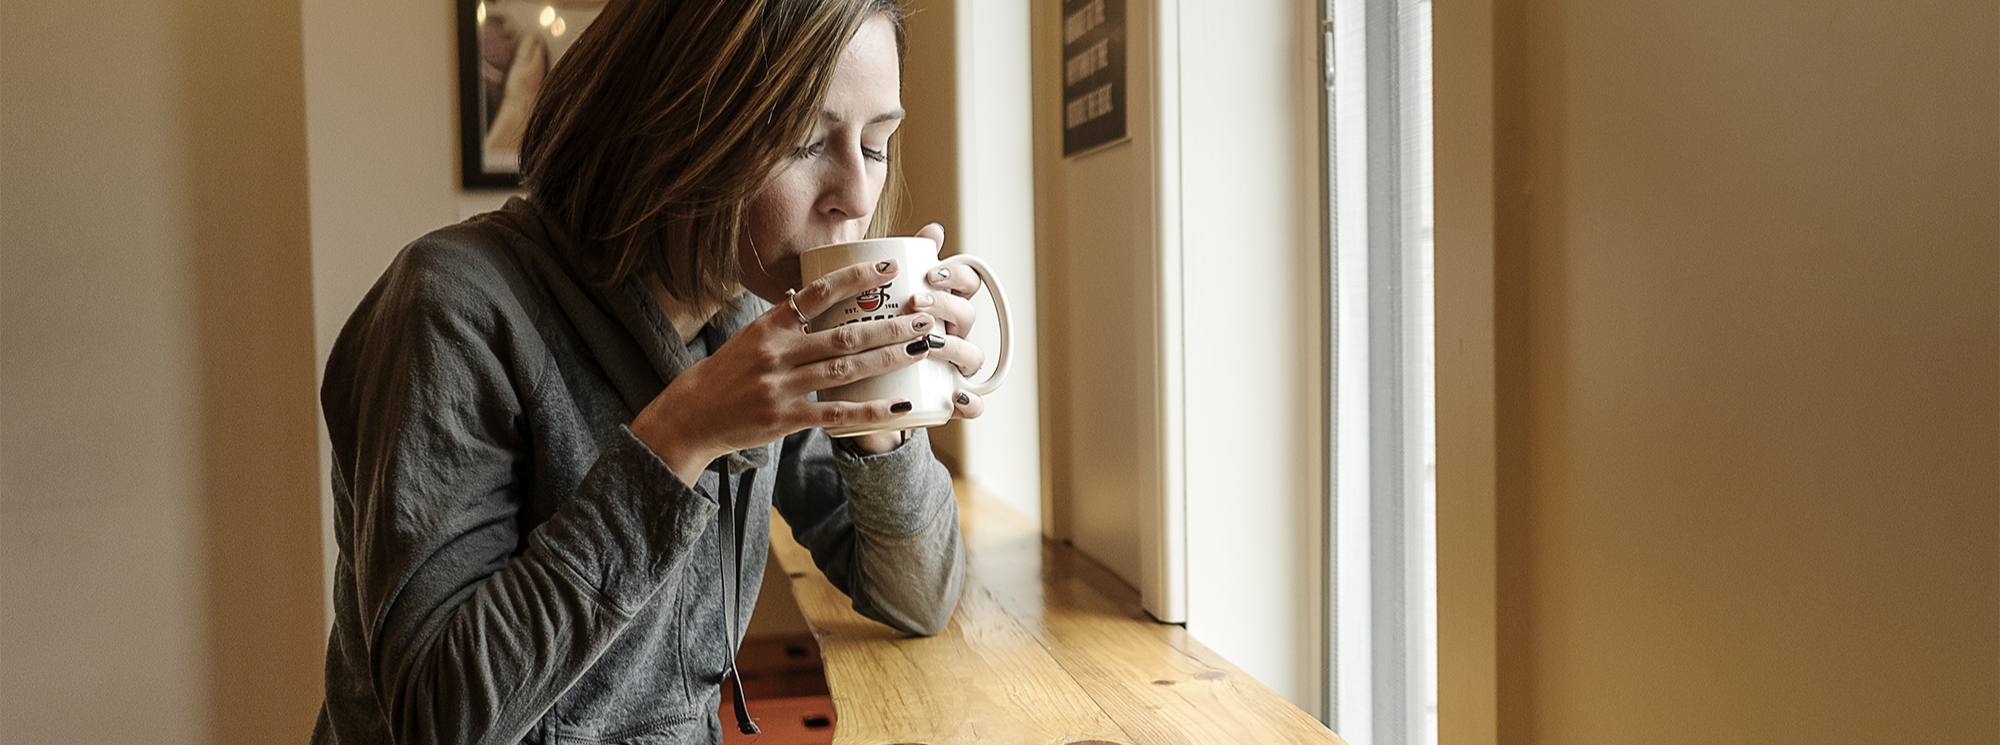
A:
(826, 191)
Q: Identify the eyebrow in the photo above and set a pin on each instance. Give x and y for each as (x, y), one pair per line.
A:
(890, 116)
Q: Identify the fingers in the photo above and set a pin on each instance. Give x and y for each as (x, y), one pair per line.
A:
(967, 405)
(831, 414)
(955, 278)
(956, 313)
(854, 338)
(935, 232)
(967, 357)
(964, 405)
(847, 368)
(843, 283)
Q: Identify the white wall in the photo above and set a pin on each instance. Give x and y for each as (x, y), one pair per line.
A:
(997, 223)
(1250, 299)
(1181, 286)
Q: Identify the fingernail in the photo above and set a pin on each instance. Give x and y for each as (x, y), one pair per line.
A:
(918, 347)
(922, 322)
(943, 273)
(900, 407)
(963, 399)
(886, 266)
(937, 342)
(922, 300)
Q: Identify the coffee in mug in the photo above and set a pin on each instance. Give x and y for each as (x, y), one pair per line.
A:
(929, 385)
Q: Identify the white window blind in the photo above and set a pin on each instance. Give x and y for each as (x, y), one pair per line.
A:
(1381, 618)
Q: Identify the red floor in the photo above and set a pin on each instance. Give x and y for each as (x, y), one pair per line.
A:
(786, 687)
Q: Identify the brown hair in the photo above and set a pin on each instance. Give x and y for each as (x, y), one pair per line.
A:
(666, 117)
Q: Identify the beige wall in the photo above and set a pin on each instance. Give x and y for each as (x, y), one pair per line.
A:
(1734, 479)
(158, 523)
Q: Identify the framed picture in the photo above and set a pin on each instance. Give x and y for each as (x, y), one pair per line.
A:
(1094, 82)
(505, 50)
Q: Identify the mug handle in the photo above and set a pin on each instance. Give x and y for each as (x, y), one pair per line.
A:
(1006, 319)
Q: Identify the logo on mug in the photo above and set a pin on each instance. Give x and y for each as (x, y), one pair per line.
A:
(872, 300)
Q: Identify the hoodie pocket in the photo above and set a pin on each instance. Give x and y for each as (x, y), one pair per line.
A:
(639, 690)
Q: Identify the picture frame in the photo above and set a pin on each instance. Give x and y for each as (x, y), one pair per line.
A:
(505, 50)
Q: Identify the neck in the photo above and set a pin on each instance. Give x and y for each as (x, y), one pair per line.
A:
(686, 318)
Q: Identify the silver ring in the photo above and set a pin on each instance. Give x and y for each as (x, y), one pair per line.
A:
(792, 299)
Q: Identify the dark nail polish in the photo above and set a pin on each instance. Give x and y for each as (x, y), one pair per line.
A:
(937, 342)
(963, 399)
(900, 407)
(921, 324)
(918, 347)
(885, 266)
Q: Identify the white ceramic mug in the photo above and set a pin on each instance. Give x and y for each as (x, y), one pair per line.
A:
(929, 385)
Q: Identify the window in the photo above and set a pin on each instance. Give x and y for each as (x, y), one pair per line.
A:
(1381, 618)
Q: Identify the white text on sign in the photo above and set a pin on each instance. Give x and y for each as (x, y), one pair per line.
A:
(1081, 22)
(1086, 107)
(1084, 65)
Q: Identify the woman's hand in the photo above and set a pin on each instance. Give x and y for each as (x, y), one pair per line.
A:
(951, 304)
(953, 307)
(758, 386)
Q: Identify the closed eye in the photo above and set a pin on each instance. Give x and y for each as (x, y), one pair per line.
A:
(817, 149)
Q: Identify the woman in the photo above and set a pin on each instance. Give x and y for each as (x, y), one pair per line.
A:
(558, 428)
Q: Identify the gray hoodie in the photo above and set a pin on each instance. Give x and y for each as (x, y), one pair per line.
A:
(514, 565)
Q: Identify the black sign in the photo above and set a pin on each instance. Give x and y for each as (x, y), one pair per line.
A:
(1093, 70)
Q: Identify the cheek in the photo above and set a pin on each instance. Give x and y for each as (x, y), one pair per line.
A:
(779, 205)
(773, 226)
(767, 231)
(757, 219)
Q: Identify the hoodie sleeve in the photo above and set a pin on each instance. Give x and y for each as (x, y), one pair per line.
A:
(883, 528)
(472, 625)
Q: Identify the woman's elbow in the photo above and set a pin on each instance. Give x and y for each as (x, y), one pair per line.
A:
(923, 614)
(934, 623)
(928, 622)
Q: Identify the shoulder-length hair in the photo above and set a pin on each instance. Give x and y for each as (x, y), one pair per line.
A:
(666, 117)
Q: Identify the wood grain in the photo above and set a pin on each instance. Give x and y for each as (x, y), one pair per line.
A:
(1046, 647)
(984, 679)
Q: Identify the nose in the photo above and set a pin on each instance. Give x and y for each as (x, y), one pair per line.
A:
(846, 191)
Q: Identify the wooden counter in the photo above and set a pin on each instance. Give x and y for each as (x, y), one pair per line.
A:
(1046, 647)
